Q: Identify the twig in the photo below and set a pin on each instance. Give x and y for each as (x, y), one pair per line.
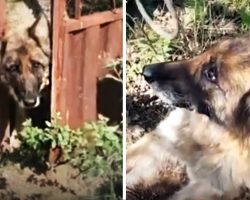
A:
(114, 4)
(150, 42)
(158, 29)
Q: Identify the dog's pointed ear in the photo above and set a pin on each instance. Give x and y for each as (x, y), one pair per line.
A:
(40, 32)
(242, 114)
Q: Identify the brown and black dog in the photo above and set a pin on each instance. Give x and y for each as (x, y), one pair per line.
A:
(213, 141)
(24, 74)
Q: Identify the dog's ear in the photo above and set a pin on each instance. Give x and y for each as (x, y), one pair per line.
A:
(40, 32)
(242, 114)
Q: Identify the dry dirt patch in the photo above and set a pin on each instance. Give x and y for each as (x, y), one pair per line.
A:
(61, 182)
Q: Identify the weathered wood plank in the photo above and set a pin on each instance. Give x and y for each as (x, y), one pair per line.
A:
(75, 87)
(77, 9)
(61, 103)
(114, 41)
(93, 20)
(5, 100)
(90, 71)
(57, 53)
(2, 18)
(111, 44)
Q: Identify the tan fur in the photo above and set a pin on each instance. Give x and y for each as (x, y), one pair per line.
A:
(216, 163)
(216, 150)
(24, 65)
(24, 52)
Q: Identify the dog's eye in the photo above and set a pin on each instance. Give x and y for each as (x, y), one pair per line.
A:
(211, 74)
(36, 64)
(13, 68)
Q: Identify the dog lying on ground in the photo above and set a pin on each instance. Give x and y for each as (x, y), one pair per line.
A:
(213, 140)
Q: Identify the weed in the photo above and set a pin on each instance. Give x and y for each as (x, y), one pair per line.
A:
(94, 150)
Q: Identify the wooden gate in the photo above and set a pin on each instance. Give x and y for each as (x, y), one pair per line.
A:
(2, 18)
(80, 47)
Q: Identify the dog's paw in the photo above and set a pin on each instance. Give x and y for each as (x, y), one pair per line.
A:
(170, 126)
(184, 127)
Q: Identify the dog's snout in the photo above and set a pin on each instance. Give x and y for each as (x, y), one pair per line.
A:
(165, 72)
(148, 73)
(30, 102)
(30, 98)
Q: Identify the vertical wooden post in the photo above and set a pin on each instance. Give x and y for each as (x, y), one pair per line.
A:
(57, 53)
(4, 100)
(90, 73)
(74, 90)
(2, 18)
(114, 47)
(77, 9)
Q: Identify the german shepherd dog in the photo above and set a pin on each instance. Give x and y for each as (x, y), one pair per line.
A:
(24, 73)
(213, 140)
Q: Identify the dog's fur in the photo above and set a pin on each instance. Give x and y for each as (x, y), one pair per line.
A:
(213, 141)
(24, 72)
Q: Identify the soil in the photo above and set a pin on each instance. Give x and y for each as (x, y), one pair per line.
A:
(60, 182)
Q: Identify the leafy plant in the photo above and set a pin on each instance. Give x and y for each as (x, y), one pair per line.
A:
(245, 16)
(116, 66)
(94, 150)
(236, 4)
(197, 9)
(144, 47)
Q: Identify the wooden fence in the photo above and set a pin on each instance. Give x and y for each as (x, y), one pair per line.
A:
(81, 46)
(2, 18)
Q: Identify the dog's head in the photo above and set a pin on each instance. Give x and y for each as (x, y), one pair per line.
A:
(24, 71)
(24, 62)
(216, 82)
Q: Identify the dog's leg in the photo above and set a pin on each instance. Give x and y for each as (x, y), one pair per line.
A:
(183, 134)
(198, 191)
(199, 142)
(184, 129)
(147, 156)
(144, 160)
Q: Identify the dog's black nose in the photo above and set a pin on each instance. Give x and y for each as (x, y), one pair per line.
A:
(148, 73)
(30, 102)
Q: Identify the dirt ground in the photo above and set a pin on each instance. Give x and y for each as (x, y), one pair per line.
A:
(61, 183)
